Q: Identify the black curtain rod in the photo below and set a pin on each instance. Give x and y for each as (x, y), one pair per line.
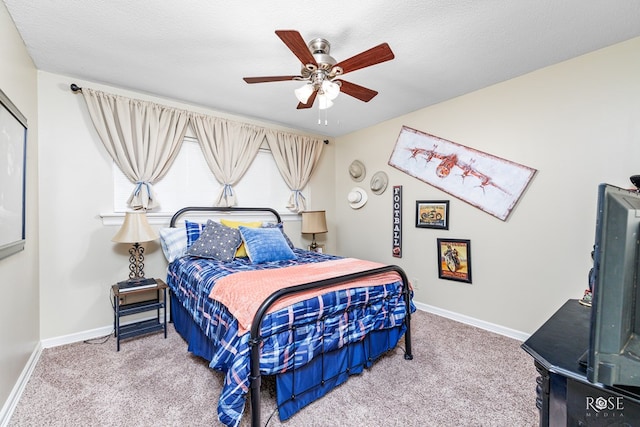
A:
(76, 88)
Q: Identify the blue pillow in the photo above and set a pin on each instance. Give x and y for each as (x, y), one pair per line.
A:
(281, 228)
(216, 241)
(193, 230)
(265, 245)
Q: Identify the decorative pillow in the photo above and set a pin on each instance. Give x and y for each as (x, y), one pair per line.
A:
(265, 244)
(279, 226)
(193, 230)
(173, 242)
(216, 241)
(241, 252)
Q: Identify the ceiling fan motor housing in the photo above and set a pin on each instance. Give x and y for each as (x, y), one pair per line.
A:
(320, 49)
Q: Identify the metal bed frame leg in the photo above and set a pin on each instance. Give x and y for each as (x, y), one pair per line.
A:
(408, 355)
(255, 381)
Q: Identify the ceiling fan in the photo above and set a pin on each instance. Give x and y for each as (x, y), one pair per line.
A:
(320, 71)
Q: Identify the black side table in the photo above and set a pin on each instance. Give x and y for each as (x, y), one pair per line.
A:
(122, 308)
(565, 397)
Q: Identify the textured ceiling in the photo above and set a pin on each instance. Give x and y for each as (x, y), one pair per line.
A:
(198, 51)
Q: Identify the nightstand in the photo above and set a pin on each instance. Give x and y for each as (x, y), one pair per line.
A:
(142, 300)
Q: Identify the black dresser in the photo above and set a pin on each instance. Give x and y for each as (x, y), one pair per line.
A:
(564, 395)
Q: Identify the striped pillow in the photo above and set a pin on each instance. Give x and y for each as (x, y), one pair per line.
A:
(173, 242)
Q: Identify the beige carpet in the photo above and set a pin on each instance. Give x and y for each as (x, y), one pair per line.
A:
(460, 376)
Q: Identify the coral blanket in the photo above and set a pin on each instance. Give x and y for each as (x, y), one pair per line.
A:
(243, 292)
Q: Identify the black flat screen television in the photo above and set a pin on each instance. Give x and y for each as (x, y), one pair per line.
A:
(613, 357)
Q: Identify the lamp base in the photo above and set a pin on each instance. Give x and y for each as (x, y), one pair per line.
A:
(136, 262)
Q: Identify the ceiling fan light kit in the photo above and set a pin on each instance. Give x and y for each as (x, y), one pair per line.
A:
(304, 92)
(320, 70)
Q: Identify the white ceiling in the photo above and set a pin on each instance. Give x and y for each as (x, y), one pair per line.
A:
(198, 50)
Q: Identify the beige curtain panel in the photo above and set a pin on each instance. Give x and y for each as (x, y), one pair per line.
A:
(296, 157)
(229, 149)
(143, 139)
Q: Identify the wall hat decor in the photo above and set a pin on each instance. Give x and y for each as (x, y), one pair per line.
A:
(379, 182)
(357, 198)
(357, 170)
(487, 182)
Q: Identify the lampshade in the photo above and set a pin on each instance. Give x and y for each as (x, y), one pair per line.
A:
(314, 222)
(135, 229)
(330, 89)
(303, 93)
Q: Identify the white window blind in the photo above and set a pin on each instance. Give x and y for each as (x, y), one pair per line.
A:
(190, 182)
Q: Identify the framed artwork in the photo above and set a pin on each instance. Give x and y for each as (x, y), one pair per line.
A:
(454, 259)
(432, 214)
(13, 144)
(487, 182)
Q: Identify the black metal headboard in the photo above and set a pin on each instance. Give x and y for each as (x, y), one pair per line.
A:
(220, 209)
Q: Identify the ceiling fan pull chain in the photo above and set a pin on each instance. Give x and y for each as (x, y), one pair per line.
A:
(326, 121)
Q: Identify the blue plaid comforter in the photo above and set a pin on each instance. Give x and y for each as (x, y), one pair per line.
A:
(322, 324)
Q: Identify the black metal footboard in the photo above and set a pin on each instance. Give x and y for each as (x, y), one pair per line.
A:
(255, 338)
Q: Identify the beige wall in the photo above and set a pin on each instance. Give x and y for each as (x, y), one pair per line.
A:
(577, 123)
(19, 316)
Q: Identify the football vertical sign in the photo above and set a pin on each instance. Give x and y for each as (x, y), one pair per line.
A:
(397, 221)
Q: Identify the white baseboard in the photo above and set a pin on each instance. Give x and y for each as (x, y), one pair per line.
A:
(77, 337)
(491, 327)
(90, 334)
(12, 401)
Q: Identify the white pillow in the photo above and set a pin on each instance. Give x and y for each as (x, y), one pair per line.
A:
(173, 242)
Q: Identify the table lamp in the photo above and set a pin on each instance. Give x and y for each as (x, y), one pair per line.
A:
(314, 222)
(135, 229)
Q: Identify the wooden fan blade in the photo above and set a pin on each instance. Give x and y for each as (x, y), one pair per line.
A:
(296, 44)
(310, 101)
(269, 79)
(375, 55)
(360, 92)
(357, 91)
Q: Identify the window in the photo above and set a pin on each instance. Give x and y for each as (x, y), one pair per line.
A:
(190, 182)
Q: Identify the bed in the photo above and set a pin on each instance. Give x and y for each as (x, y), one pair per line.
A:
(309, 319)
